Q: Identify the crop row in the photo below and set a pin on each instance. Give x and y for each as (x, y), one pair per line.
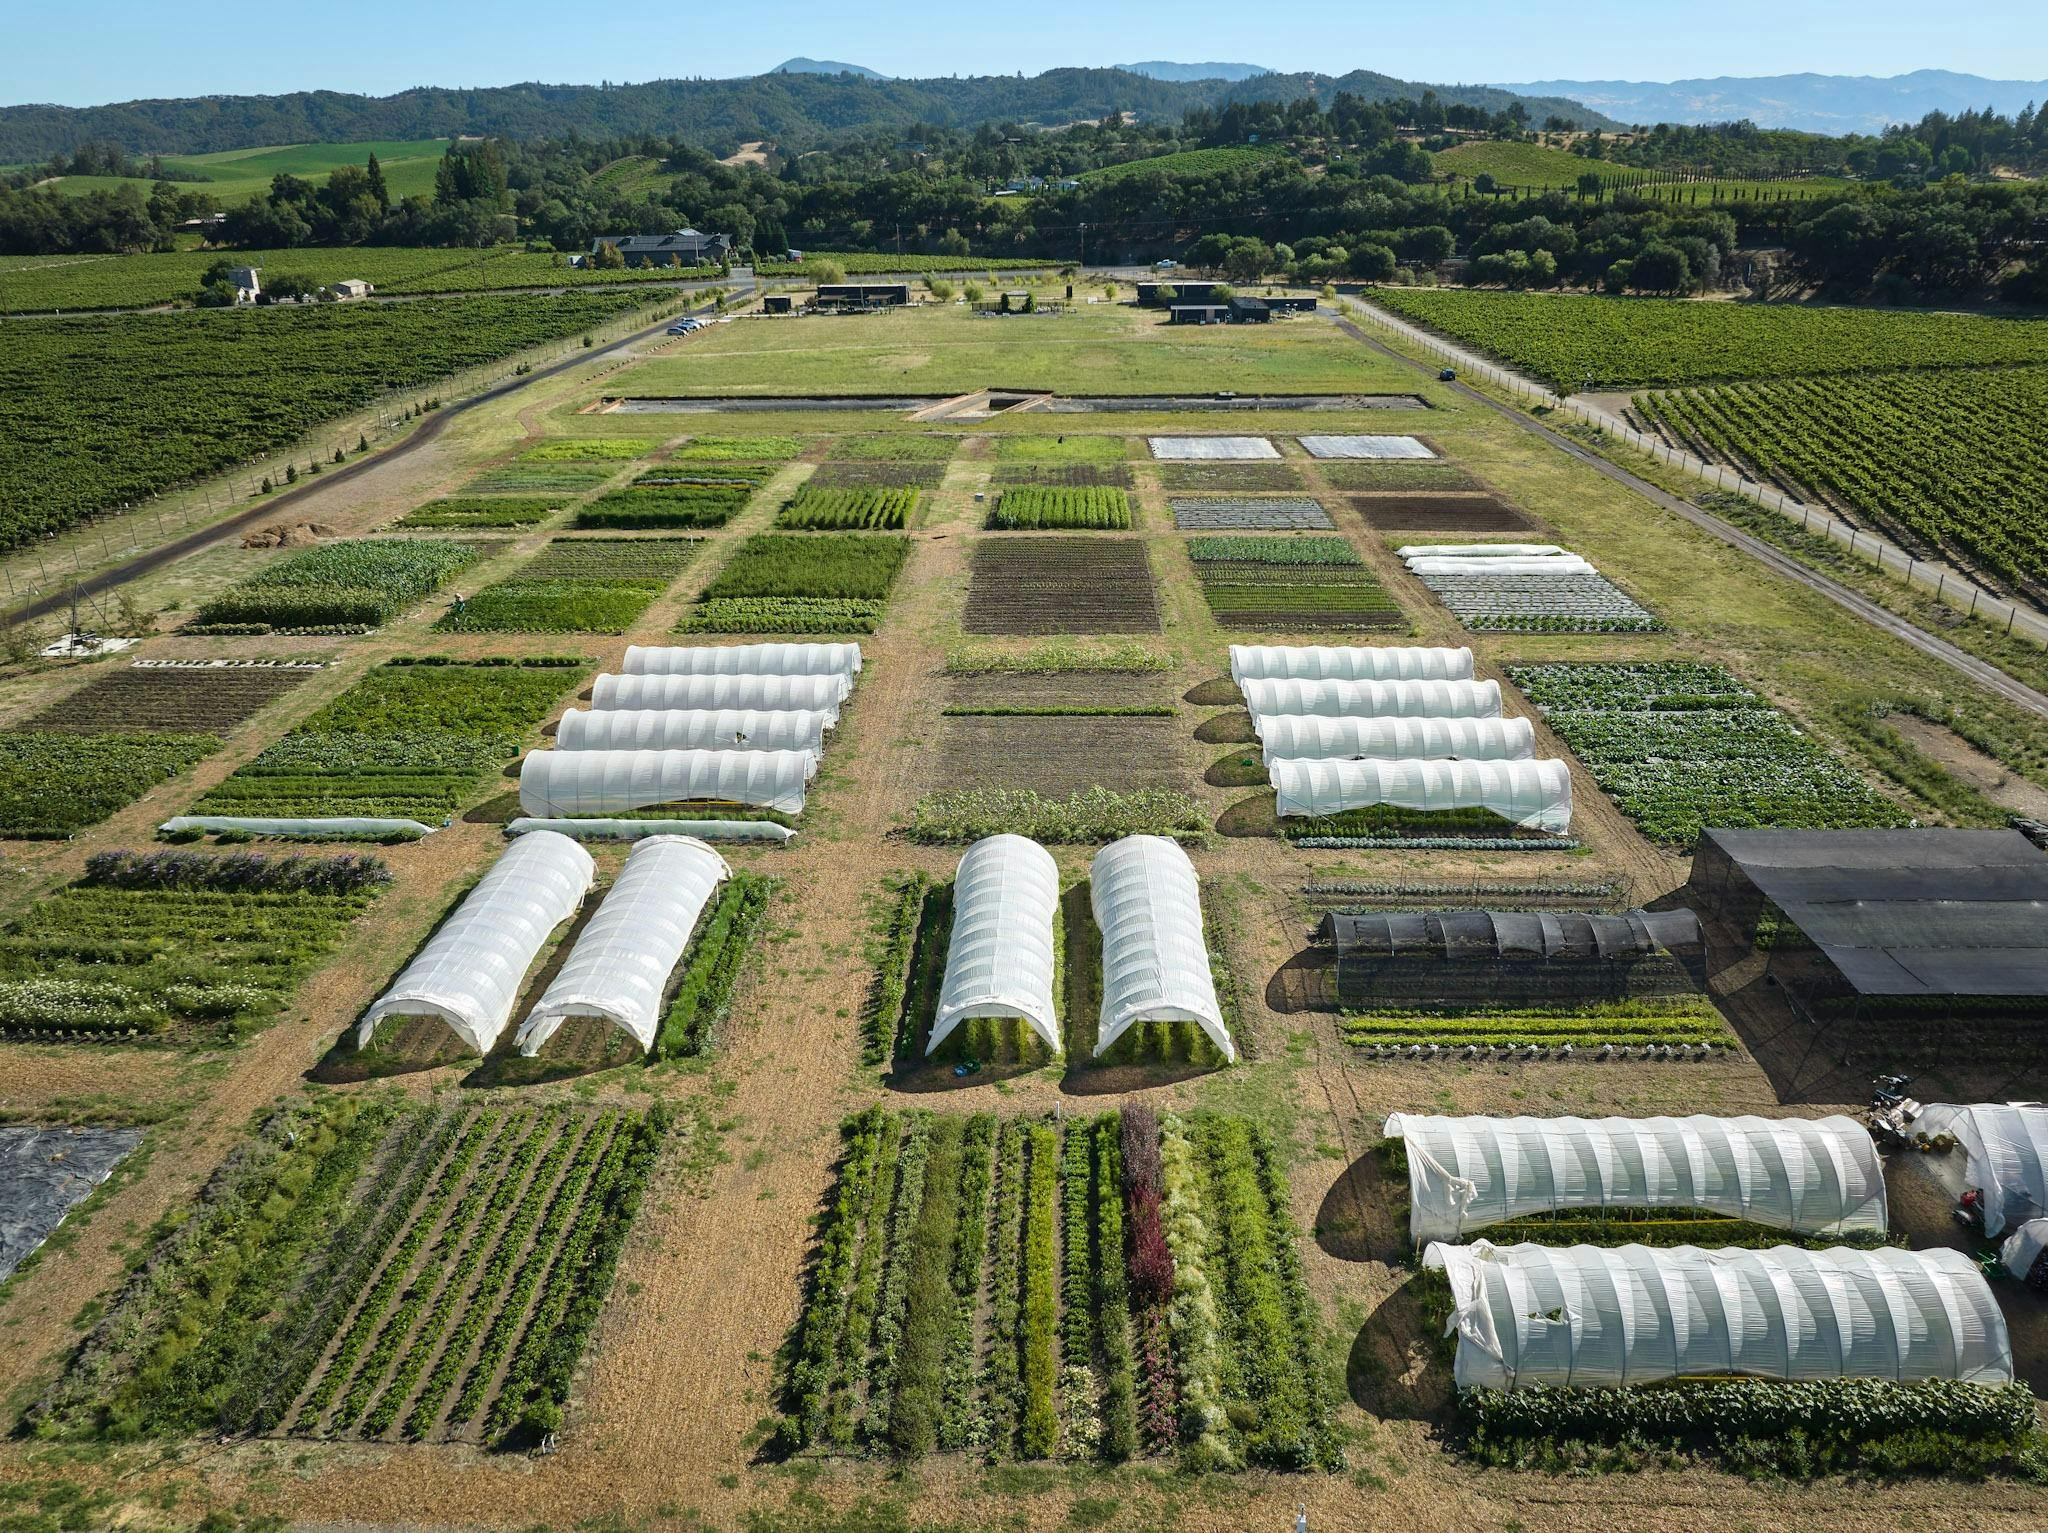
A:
(480, 511)
(666, 505)
(365, 580)
(52, 784)
(711, 969)
(1096, 814)
(869, 508)
(1053, 507)
(1284, 552)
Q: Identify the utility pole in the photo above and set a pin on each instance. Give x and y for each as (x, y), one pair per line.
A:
(1084, 247)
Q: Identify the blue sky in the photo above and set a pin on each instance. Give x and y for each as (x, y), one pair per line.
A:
(117, 50)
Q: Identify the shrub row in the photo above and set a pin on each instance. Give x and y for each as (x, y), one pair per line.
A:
(712, 967)
(1040, 1430)
(818, 1340)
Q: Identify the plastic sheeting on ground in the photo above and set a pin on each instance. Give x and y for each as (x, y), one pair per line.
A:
(1567, 564)
(309, 829)
(2003, 1153)
(1536, 795)
(469, 972)
(636, 830)
(2023, 1247)
(689, 729)
(742, 659)
(623, 957)
(1364, 447)
(575, 784)
(47, 1172)
(1347, 662)
(1820, 1176)
(1234, 449)
(1593, 1316)
(1479, 550)
(767, 694)
(1374, 699)
(1155, 961)
(1310, 737)
(1006, 896)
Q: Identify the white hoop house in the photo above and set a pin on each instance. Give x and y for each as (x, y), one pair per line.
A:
(468, 974)
(1472, 551)
(2023, 1247)
(580, 784)
(1817, 1176)
(1347, 662)
(768, 694)
(1564, 564)
(2001, 1151)
(1592, 1316)
(1155, 962)
(1375, 699)
(742, 659)
(621, 963)
(1536, 795)
(1006, 896)
(1307, 737)
(689, 729)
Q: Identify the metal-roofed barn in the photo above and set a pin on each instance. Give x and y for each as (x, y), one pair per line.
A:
(1436, 957)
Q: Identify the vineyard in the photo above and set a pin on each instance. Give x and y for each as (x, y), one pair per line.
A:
(408, 741)
(372, 1269)
(177, 944)
(1955, 461)
(1117, 1287)
(857, 263)
(1571, 343)
(1680, 746)
(177, 396)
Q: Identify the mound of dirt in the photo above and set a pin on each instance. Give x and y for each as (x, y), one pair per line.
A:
(290, 535)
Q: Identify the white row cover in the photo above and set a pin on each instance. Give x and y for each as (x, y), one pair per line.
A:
(468, 974)
(689, 729)
(767, 694)
(1347, 662)
(1593, 1316)
(2023, 1247)
(742, 659)
(1472, 551)
(640, 830)
(1536, 795)
(1364, 447)
(1819, 1176)
(575, 784)
(1374, 699)
(2003, 1153)
(1566, 564)
(621, 963)
(1006, 896)
(1308, 737)
(1155, 961)
(311, 827)
(1240, 449)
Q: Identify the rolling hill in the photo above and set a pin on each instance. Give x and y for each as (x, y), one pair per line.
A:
(1810, 102)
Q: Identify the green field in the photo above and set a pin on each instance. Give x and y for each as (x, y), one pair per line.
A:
(39, 284)
(1100, 350)
(1189, 162)
(1540, 166)
(235, 175)
(1569, 342)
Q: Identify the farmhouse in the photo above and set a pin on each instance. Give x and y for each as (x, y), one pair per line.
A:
(1871, 922)
(1249, 311)
(1198, 314)
(848, 296)
(685, 247)
(346, 289)
(247, 281)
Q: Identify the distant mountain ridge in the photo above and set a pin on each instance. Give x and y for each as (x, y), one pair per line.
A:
(790, 109)
(803, 66)
(1162, 69)
(1813, 103)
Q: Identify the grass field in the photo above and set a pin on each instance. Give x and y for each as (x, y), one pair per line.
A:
(1101, 350)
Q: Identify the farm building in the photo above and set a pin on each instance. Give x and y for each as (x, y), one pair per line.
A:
(777, 303)
(1161, 295)
(1876, 922)
(1249, 311)
(247, 281)
(685, 247)
(621, 962)
(1816, 1176)
(1291, 304)
(1412, 957)
(468, 974)
(1198, 314)
(1155, 959)
(850, 296)
(346, 289)
(1006, 897)
(1640, 1315)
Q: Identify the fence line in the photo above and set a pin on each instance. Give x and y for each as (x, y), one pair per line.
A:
(2008, 617)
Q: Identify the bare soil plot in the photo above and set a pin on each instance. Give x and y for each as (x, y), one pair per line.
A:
(1027, 585)
(1230, 449)
(1059, 755)
(1396, 474)
(200, 699)
(1059, 689)
(1233, 513)
(1441, 513)
(1238, 478)
(1067, 475)
(877, 475)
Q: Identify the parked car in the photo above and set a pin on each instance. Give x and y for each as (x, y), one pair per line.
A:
(1166, 265)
